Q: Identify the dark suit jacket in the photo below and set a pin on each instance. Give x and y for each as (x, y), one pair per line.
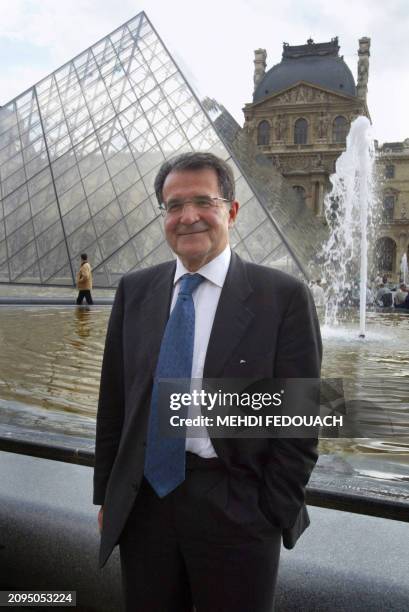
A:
(264, 317)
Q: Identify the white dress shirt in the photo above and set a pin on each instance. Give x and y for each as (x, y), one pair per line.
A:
(205, 298)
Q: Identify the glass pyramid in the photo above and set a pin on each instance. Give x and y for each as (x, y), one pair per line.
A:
(78, 155)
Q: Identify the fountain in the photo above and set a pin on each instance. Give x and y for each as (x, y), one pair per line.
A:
(404, 268)
(349, 210)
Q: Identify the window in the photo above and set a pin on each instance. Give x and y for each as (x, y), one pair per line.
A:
(385, 255)
(300, 193)
(300, 131)
(390, 171)
(339, 130)
(388, 208)
(263, 133)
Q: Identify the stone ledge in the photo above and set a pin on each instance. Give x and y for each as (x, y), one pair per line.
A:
(336, 482)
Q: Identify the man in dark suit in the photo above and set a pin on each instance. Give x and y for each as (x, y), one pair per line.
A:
(200, 525)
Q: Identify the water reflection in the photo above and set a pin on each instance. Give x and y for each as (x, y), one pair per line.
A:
(83, 316)
(375, 370)
(51, 357)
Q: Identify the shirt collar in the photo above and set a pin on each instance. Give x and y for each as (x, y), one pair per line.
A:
(214, 271)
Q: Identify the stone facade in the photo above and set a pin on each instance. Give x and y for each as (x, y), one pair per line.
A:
(321, 115)
(301, 127)
(393, 233)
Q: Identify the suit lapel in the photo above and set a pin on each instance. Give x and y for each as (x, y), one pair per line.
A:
(231, 320)
(154, 314)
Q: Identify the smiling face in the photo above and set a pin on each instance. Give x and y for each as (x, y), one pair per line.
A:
(197, 236)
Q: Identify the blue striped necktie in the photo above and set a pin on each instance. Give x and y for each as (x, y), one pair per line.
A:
(165, 457)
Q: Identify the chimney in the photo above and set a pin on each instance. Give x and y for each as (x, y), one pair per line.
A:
(363, 67)
(260, 56)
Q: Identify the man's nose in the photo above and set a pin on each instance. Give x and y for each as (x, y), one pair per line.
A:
(190, 214)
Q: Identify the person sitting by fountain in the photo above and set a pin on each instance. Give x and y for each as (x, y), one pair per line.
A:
(401, 295)
(384, 297)
(405, 304)
(318, 294)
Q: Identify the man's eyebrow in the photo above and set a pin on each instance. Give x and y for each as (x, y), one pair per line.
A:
(179, 199)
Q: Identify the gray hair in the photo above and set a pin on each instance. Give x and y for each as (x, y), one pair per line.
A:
(197, 161)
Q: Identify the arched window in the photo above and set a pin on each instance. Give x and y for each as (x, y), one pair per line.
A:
(388, 208)
(263, 133)
(339, 130)
(389, 171)
(300, 193)
(300, 131)
(385, 252)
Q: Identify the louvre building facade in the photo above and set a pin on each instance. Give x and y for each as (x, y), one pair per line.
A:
(78, 155)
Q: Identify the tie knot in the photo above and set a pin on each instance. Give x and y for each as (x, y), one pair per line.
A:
(189, 282)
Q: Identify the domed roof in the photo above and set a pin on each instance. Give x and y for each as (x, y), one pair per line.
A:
(318, 64)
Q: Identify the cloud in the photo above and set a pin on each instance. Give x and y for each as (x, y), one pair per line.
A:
(213, 42)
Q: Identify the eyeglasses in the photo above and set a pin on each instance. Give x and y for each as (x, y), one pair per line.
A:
(176, 207)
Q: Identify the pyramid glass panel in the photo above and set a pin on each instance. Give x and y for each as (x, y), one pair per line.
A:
(79, 153)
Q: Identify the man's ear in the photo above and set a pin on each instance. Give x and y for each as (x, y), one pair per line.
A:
(233, 212)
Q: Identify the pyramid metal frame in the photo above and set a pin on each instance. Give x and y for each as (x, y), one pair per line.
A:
(78, 155)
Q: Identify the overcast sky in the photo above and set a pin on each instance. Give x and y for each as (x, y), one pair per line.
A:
(213, 42)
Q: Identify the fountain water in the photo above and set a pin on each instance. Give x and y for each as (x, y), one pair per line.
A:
(404, 268)
(349, 210)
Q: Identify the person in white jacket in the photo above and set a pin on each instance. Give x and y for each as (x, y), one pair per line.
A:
(318, 294)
